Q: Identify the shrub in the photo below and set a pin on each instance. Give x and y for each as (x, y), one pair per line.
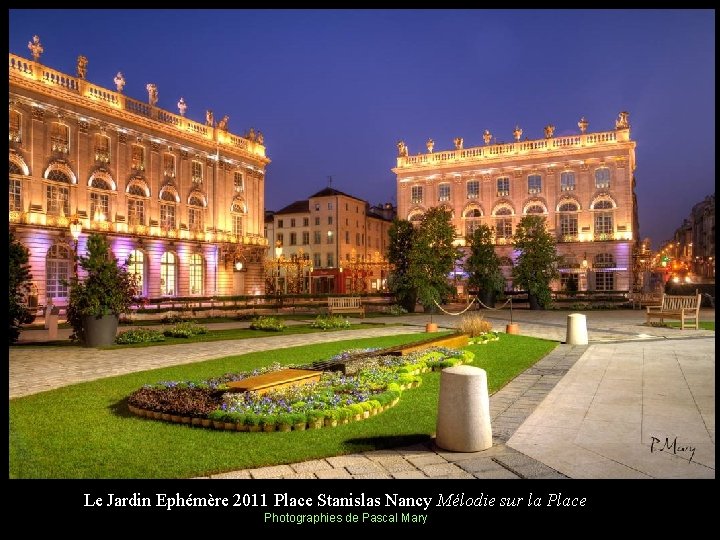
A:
(139, 335)
(268, 324)
(325, 322)
(474, 325)
(185, 330)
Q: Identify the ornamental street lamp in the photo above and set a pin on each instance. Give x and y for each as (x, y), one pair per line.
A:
(75, 230)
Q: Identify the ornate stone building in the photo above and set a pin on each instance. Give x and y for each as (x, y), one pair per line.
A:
(583, 184)
(182, 200)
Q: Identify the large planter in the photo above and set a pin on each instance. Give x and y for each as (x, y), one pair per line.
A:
(99, 331)
(534, 302)
(487, 299)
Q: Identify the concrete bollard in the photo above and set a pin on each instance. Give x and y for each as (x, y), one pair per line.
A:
(51, 322)
(576, 329)
(463, 423)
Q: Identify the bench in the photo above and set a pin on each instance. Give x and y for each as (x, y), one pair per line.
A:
(640, 300)
(679, 307)
(345, 304)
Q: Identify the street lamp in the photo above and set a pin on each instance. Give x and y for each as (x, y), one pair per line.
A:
(75, 230)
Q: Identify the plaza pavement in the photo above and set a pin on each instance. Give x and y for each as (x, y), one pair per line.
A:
(636, 402)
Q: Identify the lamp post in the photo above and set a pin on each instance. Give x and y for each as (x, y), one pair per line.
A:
(278, 255)
(75, 230)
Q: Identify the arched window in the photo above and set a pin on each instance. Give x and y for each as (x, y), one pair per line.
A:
(138, 192)
(237, 212)
(196, 274)
(168, 274)
(472, 220)
(57, 271)
(535, 209)
(136, 267)
(503, 223)
(196, 214)
(99, 199)
(57, 194)
(415, 217)
(567, 217)
(169, 198)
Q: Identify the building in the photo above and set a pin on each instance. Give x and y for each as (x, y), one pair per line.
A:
(332, 242)
(182, 200)
(583, 184)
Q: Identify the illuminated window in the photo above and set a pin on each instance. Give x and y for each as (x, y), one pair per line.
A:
(444, 192)
(415, 218)
(15, 194)
(535, 209)
(196, 172)
(473, 189)
(99, 206)
(603, 220)
(60, 138)
(102, 148)
(196, 214)
(568, 222)
(503, 225)
(136, 268)
(196, 273)
(503, 186)
(168, 274)
(15, 123)
(416, 195)
(136, 211)
(169, 165)
(238, 215)
(238, 182)
(604, 278)
(167, 216)
(602, 178)
(330, 238)
(14, 168)
(567, 181)
(57, 200)
(534, 184)
(138, 157)
(472, 221)
(57, 271)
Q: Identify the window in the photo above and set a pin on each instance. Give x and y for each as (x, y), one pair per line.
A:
(237, 224)
(15, 123)
(196, 214)
(280, 238)
(472, 221)
(317, 207)
(57, 271)
(317, 220)
(330, 260)
(357, 239)
(503, 186)
(306, 238)
(602, 178)
(196, 172)
(347, 237)
(293, 239)
(330, 220)
(567, 181)
(503, 225)
(136, 268)
(346, 206)
(136, 212)
(415, 218)
(169, 165)
(330, 205)
(416, 195)
(604, 277)
(167, 216)
(330, 237)
(444, 192)
(280, 223)
(306, 222)
(138, 157)
(99, 206)
(238, 183)
(317, 262)
(534, 184)
(292, 222)
(316, 237)
(15, 194)
(57, 200)
(568, 222)
(196, 274)
(102, 148)
(473, 189)
(603, 220)
(60, 138)
(535, 209)
(168, 274)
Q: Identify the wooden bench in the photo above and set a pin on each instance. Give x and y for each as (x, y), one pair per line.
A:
(640, 300)
(275, 380)
(345, 304)
(679, 307)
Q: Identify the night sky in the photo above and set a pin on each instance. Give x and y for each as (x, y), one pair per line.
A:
(333, 91)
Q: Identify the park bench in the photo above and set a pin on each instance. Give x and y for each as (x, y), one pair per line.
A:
(679, 307)
(640, 300)
(345, 304)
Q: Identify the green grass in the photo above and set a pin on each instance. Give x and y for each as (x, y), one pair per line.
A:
(86, 431)
(704, 325)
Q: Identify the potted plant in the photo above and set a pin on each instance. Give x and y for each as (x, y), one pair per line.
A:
(95, 303)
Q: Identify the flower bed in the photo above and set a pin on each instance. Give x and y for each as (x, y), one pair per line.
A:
(334, 399)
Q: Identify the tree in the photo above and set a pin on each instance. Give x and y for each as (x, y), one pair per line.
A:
(432, 257)
(19, 284)
(483, 265)
(401, 235)
(536, 265)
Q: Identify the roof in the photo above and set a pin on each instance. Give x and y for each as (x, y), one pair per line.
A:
(298, 207)
(330, 192)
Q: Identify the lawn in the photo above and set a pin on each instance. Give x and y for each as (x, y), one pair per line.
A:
(86, 431)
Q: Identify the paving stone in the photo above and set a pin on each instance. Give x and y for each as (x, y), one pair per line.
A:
(311, 466)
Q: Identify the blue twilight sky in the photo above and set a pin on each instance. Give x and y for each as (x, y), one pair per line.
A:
(333, 91)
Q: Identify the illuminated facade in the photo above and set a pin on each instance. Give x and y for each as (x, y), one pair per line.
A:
(184, 201)
(343, 238)
(583, 185)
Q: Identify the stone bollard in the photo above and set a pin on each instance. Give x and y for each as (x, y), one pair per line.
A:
(576, 329)
(463, 423)
(51, 323)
